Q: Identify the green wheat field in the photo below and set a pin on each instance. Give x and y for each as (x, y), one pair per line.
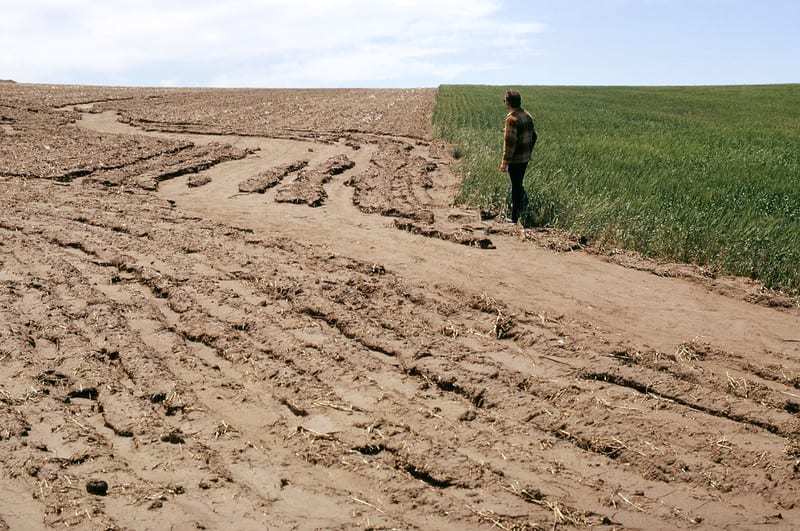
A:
(705, 175)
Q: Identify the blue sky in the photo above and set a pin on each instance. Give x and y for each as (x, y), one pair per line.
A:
(400, 43)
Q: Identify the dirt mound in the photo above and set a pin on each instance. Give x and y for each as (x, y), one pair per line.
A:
(396, 183)
(336, 165)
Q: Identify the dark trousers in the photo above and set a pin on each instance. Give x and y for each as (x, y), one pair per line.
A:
(516, 170)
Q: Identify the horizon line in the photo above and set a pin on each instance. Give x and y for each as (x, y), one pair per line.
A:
(431, 87)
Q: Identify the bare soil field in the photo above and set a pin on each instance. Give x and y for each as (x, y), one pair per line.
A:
(260, 309)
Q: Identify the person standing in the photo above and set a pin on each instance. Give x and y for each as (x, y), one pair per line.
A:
(519, 138)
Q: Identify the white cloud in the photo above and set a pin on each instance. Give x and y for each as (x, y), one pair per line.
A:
(260, 42)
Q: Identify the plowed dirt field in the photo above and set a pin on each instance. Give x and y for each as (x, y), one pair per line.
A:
(260, 310)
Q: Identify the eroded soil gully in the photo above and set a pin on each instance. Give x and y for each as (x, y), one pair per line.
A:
(647, 310)
(298, 375)
(276, 365)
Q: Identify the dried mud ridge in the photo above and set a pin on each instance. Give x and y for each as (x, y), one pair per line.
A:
(209, 374)
(270, 178)
(307, 188)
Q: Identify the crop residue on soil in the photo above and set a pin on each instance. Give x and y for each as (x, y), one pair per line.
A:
(166, 358)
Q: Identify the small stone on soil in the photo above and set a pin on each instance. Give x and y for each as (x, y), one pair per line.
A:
(173, 437)
(98, 487)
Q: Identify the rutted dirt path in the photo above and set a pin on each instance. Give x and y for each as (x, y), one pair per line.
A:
(220, 358)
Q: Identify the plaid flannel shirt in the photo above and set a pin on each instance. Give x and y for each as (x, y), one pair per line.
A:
(519, 137)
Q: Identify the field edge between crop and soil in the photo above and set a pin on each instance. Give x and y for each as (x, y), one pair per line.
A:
(702, 175)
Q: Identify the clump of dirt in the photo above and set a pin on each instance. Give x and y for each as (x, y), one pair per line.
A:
(308, 186)
(554, 239)
(336, 165)
(196, 181)
(270, 178)
(461, 237)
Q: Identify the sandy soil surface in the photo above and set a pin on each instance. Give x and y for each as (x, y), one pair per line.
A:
(212, 319)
